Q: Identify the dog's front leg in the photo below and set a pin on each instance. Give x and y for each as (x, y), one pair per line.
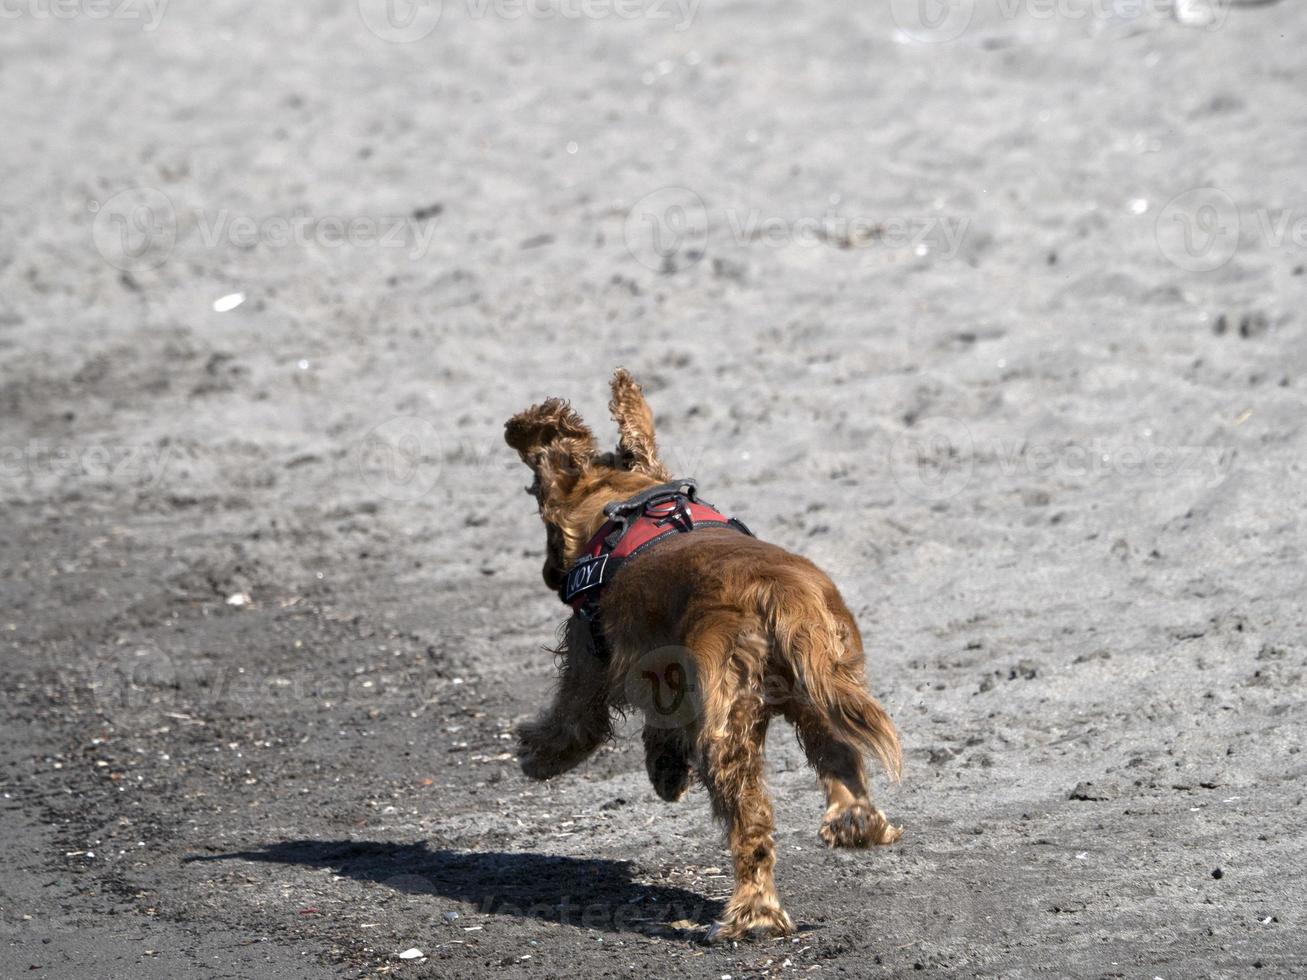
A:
(667, 758)
(561, 738)
(577, 722)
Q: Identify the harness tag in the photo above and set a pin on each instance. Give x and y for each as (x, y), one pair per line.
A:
(588, 573)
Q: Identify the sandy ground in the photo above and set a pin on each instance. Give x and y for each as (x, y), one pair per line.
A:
(995, 314)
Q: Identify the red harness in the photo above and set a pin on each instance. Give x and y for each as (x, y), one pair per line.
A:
(634, 526)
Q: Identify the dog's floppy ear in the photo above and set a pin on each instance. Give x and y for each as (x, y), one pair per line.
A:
(636, 447)
(551, 438)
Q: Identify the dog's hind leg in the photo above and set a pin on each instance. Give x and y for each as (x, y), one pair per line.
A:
(851, 820)
(838, 722)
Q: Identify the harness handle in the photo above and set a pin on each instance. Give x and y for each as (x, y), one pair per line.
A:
(622, 512)
(619, 510)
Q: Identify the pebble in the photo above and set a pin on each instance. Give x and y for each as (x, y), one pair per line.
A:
(1217, 873)
(412, 954)
(1193, 13)
(1093, 791)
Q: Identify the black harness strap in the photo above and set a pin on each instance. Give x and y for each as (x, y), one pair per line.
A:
(668, 506)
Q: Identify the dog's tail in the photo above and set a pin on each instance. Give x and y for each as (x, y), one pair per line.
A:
(825, 656)
(854, 713)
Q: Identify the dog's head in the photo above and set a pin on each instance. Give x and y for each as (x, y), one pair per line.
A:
(573, 479)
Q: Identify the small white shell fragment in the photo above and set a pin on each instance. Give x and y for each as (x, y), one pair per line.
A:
(224, 304)
(239, 599)
(412, 954)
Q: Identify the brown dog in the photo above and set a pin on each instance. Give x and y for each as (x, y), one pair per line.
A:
(710, 634)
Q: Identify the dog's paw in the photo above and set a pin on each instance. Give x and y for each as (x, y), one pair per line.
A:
(857, 825)
(670, 773)
(545, 761)
(536, 766)
(762, 920)
(538, 757)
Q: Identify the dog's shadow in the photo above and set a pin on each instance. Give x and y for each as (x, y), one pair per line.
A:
(590, 893)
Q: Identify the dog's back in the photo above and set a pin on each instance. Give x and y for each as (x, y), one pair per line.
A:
(753, 620)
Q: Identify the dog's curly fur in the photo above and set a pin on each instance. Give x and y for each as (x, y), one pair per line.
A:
(710, 635)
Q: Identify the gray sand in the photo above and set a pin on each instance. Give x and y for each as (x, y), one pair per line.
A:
(998, 320)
